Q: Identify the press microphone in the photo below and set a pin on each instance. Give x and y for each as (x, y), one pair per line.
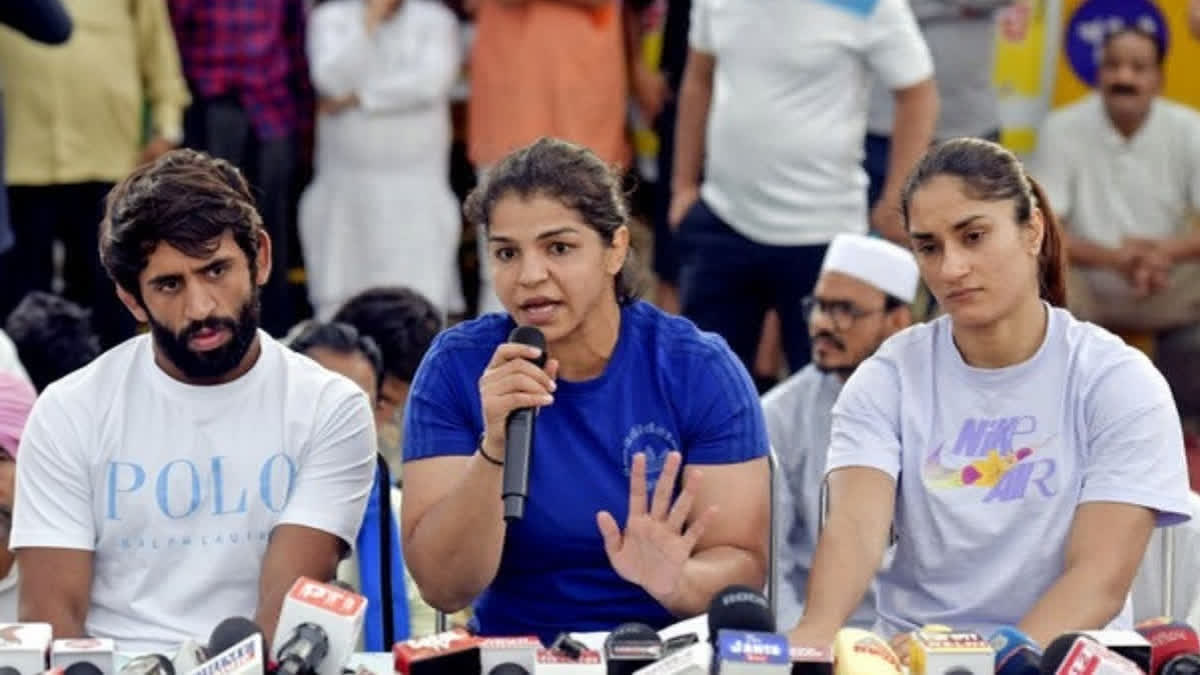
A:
(1074, 653)
(500, 656)
(25, 646)
(1016, 652)
(518, 435)
(99, 652)
(1130, 644)
(742, 630)
(148, 664)
(447, 653)
(861, 652)
(811, 660)
(631, 647)
(246, 656)
(937, 653)
(332, 621)
(694, 659)
(8, 670)
(189, 656)
(1170, 641)
(82, 668)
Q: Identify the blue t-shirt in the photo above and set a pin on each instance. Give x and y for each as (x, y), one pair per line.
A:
(667, 387)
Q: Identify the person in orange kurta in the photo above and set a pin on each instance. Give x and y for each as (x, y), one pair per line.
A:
(546, 68)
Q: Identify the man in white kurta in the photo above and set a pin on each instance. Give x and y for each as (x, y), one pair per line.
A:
(380, 210)
(861, 298)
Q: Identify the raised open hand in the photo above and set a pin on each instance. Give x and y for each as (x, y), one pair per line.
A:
(654, 546)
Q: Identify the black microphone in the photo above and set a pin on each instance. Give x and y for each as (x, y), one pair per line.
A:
(303, 651)
(518, 435)
(631, 647)
(82, 668)
(739, 608)
(508, 669)
(230, 632)
(9, 670)
(1184, 664)
(148, 664)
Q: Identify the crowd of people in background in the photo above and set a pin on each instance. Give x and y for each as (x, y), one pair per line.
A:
(361, 125)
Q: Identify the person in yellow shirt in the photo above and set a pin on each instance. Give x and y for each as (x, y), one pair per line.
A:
(75, 127)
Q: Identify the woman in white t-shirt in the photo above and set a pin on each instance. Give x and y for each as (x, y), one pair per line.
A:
(1025, 456)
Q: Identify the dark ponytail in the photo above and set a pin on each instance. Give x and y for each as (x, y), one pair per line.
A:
(1052, 259)
(990, 172)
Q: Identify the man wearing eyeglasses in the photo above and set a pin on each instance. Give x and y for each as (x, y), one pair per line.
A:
(862, 297)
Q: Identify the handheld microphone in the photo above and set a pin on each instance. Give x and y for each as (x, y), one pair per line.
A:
(935, 653)
(25, 647)
(148, 664)
(100, 652)
(1130, 644)
(82, 668)
(245, 657)
(1073, 653)
(1016, 653)
(1169, 641)
(518, 436)
(860, 652)
(448, 653)
(338, 615)
(739, 607)
(630, 647)
(1184, 664)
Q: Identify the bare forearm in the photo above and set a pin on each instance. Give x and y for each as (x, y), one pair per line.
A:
(695, 97)
(455, 549)
(270, 603)
(843, 565)
(65, 621)
(1086, 253)
(709, 571)
(1079, 600)
(912, 132)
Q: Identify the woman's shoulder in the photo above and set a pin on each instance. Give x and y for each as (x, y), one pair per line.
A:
(1103, 360)
(674, 336)
(471, 339)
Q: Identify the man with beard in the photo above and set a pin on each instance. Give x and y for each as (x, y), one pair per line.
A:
(861, 298)
(194, 473)
(1122, 169)
(16, 398)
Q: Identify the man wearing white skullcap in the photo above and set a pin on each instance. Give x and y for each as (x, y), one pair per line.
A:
(861, 298)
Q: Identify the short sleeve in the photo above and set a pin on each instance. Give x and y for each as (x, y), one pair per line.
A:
(1052, 166)
(895, 47)
(1193, 156)
(700, 29)
(866, 420)
(53, 507)
(335, 475)
(725, 418)
(437, 417)
(1134, 451)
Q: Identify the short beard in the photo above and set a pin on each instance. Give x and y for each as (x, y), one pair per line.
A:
(213, 363)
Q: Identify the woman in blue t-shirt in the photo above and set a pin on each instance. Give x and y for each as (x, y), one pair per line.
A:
(630, 400)
(1024, 455)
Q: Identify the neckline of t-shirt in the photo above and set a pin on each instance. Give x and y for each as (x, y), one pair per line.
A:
(616, 363)
(213, 392)
(996, 375)
(1138, 139)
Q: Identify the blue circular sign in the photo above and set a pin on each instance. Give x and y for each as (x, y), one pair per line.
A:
(1095, 19)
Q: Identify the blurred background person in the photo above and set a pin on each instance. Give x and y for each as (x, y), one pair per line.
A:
(74, 117)
(961, 35)
(16, 400)
(53, 337)
(861, 298)
(773, 108)
(376, 560)
(1122, 169)
(253, 106)
(403, 324)
(380, 210)
(44, 21)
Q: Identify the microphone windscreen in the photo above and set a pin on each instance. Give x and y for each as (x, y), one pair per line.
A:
(860, 652)
(530, 335)
(1168, 640)
(230, 632)
(9, 670)
(1185, 664)
(508, 669)
(739, 608)
(82, 668)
